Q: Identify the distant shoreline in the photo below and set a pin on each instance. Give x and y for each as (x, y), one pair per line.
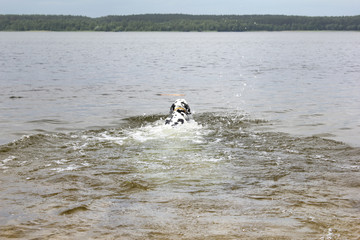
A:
(178, 23)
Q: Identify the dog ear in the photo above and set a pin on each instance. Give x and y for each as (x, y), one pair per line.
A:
(187, 107)
(172, 108)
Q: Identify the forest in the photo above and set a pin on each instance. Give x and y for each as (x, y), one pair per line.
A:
(178, 22)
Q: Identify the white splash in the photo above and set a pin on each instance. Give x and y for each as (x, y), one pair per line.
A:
(68, 168)
(107, 137)
(5, 161)
(188, 131)
(158, 131)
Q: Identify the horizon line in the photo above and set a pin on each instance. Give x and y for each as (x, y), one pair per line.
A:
(185, 14)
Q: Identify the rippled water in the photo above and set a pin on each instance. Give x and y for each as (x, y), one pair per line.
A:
(85, 152)
(217, 177)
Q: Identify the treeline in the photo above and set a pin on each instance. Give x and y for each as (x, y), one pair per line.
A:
(178, 22)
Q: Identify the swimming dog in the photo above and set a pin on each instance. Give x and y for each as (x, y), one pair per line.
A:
(179, 113)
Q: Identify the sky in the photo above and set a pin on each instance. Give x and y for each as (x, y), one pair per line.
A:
(98, 8)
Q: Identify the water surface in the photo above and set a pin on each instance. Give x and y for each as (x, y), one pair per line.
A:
(272, 150)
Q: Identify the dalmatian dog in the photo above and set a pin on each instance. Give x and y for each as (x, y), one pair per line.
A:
(179, 113)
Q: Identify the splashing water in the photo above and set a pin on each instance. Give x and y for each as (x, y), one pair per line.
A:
(219, 176)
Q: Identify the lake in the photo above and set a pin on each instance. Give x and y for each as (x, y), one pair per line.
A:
(272, 150)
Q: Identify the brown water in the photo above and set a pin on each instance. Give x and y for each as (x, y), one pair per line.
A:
(85, 153)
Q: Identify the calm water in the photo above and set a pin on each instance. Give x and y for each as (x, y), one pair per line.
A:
(272, 151)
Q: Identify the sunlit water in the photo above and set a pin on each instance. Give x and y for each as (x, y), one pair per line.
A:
(272, 151)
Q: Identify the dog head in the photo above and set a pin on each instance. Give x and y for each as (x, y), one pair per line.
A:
(179, 113)
(181, 106)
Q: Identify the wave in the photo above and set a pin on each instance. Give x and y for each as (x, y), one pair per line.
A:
(214, 135)
(218, 166)
(220, 127)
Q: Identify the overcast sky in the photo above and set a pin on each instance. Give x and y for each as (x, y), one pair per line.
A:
(97, 8)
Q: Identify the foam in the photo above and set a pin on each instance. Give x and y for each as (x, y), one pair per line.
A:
(106, 137)
(72, 167)
(6, 160)
(157, 131)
